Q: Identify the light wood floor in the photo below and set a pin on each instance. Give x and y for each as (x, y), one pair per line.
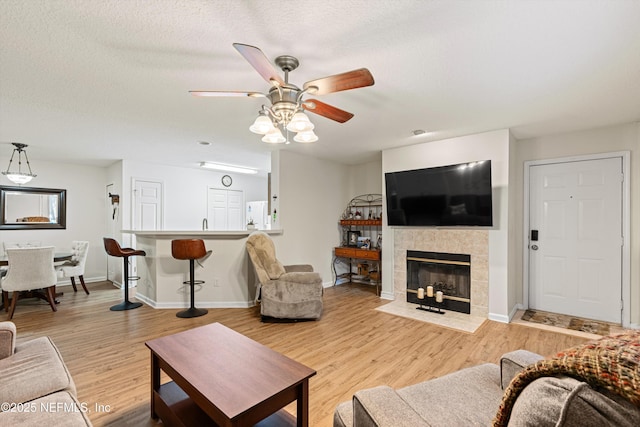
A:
(352, 347)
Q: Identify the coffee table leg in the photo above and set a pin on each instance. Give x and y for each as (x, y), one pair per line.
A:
(155, 383)
(303, 404)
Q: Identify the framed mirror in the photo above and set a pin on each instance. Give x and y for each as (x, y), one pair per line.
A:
(32, 208)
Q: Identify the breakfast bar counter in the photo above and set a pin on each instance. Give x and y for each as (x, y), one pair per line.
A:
(227, 272)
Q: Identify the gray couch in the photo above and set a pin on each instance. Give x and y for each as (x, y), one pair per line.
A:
(36, 388)
(475, 396)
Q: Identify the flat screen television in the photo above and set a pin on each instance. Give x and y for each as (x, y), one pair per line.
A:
(444, 196)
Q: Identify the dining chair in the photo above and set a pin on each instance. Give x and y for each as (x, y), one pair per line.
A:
(30, 269)
(75, 267)
(26, 244)
(10, 245)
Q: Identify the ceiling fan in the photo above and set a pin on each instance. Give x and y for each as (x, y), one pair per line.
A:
(287, 103)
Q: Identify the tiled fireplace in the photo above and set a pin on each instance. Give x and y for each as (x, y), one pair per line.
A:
(437, 272)
(464, 244)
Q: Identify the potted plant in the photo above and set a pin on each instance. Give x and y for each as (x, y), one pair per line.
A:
(251, 225)
(358, 215)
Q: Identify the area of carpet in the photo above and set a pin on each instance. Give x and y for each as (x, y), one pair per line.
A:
(567, 322)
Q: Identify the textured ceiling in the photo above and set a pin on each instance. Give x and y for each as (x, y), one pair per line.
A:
(93, 81)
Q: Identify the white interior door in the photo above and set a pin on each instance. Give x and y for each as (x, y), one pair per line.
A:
(217, 209)
(235, 210)
(148, 205)
(575, 261)
(225, 209)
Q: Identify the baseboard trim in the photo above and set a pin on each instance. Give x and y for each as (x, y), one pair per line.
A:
(205, 304)
(387, 295)
(67, 282)
(514, 310)
(498, 318)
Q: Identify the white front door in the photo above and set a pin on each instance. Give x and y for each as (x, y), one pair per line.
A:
(575, 261)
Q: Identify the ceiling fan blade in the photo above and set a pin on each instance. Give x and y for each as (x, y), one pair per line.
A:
(259, 61)
(345, 81)
(225, 93)
(326, 110)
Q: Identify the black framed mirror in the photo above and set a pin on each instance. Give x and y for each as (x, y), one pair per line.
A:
(32, 208)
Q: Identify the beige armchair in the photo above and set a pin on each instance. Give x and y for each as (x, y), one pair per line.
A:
(285, 292)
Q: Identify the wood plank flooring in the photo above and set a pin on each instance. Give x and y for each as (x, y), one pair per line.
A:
(352, 347)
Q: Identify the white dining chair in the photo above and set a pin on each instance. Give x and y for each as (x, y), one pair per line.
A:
(30, 269)
(26, 244)
(75, 267)
(13, 245)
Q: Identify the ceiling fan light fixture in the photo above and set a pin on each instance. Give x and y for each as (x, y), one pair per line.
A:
(285, 112)
(300, 123)
(19, 177)
(274, 136)
(305, 137)
(262, 125)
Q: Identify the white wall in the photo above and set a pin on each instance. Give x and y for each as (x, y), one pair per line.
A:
(492, 146)
(624, 137)
(311, 197)
(365, 178)
(86, 205)
(185, 191)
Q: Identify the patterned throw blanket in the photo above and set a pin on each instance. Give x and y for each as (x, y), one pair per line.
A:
(611, 362)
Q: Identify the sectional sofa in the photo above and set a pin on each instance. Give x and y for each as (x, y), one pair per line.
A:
(36, 388)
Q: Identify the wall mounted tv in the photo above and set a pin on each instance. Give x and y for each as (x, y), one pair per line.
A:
(445, 196)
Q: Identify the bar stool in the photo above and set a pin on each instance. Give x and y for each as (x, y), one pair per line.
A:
(191, 249)
(113, 248)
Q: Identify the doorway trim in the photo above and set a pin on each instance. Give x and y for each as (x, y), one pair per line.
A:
(626, 224)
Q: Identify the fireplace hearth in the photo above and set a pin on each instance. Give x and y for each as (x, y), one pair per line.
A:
(429, 273)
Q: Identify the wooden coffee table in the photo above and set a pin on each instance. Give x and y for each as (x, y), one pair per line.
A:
(222, 378)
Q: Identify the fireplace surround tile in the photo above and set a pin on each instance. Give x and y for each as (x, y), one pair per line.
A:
(472, 242)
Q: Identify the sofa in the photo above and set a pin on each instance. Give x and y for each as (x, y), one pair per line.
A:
(36, 388)
(595, 384)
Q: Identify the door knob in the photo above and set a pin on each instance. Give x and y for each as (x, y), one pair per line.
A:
(534, 247)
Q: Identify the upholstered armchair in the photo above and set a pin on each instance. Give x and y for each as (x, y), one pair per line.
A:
(30, 269)
(285, 292)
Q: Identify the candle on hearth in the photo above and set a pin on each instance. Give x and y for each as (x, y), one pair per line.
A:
(420, 293)
(430, 291)
(439, 296)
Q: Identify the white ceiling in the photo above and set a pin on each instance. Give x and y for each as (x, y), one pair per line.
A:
(93, 81)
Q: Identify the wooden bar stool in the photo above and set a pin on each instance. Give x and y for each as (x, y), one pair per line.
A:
(113, 248)
(191, 249)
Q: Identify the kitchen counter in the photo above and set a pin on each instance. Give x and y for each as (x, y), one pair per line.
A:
(228, 274)
(196, 233)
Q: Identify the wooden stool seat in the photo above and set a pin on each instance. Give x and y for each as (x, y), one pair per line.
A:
(113, 248)
(190, 249)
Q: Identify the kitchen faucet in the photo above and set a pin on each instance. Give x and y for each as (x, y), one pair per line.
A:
(205, 224)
